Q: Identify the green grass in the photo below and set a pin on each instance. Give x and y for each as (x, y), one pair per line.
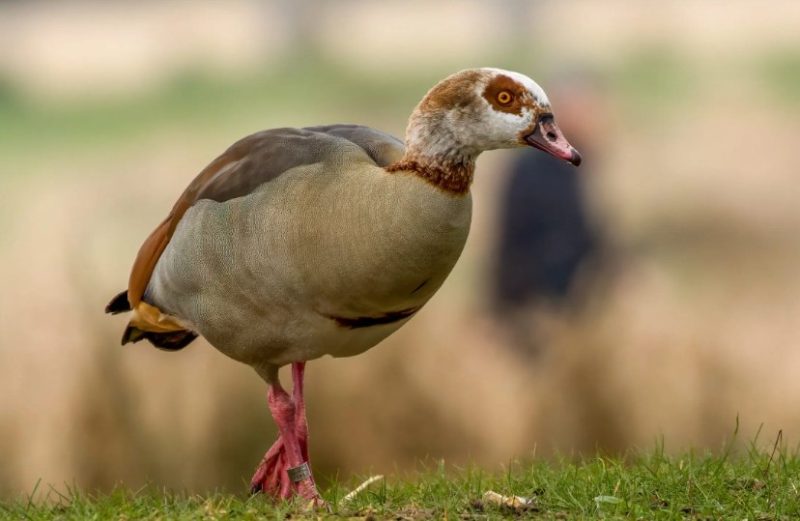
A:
(755, 485)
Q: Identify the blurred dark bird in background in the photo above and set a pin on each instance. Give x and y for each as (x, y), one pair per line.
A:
(546, 236)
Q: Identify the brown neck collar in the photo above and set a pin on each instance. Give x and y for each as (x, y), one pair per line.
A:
(451, 175)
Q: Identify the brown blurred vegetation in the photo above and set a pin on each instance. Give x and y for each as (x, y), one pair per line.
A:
(690, 320)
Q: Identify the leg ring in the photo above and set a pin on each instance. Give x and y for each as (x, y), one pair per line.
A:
(299, 473)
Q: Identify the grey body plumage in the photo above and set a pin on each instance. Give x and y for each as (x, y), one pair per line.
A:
(274, 276)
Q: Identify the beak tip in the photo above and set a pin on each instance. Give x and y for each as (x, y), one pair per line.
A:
(576, 158)
(548, 138)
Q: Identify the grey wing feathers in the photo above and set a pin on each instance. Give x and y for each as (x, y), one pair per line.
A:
(381, 147)
(240, 170)
(263, 156)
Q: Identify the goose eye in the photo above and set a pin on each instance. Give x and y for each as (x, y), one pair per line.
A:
(505, 97)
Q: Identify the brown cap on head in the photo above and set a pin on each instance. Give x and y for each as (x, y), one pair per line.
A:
(457, 90)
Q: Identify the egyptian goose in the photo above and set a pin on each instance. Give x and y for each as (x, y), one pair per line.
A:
(299, 243)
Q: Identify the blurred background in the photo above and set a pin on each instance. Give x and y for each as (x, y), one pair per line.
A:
(662, 297)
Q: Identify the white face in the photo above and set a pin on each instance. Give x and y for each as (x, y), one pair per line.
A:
(510, 104)
(485, 109)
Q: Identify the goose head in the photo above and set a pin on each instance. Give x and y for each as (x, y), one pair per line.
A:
(475, 110)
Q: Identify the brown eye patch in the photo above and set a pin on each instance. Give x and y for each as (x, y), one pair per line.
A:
(505, 94)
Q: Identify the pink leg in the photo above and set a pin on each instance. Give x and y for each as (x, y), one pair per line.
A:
(291, 448)
(301, 425)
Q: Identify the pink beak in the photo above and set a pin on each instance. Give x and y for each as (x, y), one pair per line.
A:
(548, 137)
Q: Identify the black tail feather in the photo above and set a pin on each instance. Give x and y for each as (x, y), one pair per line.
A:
(119, 304)
(171, 341)
(132, 335)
